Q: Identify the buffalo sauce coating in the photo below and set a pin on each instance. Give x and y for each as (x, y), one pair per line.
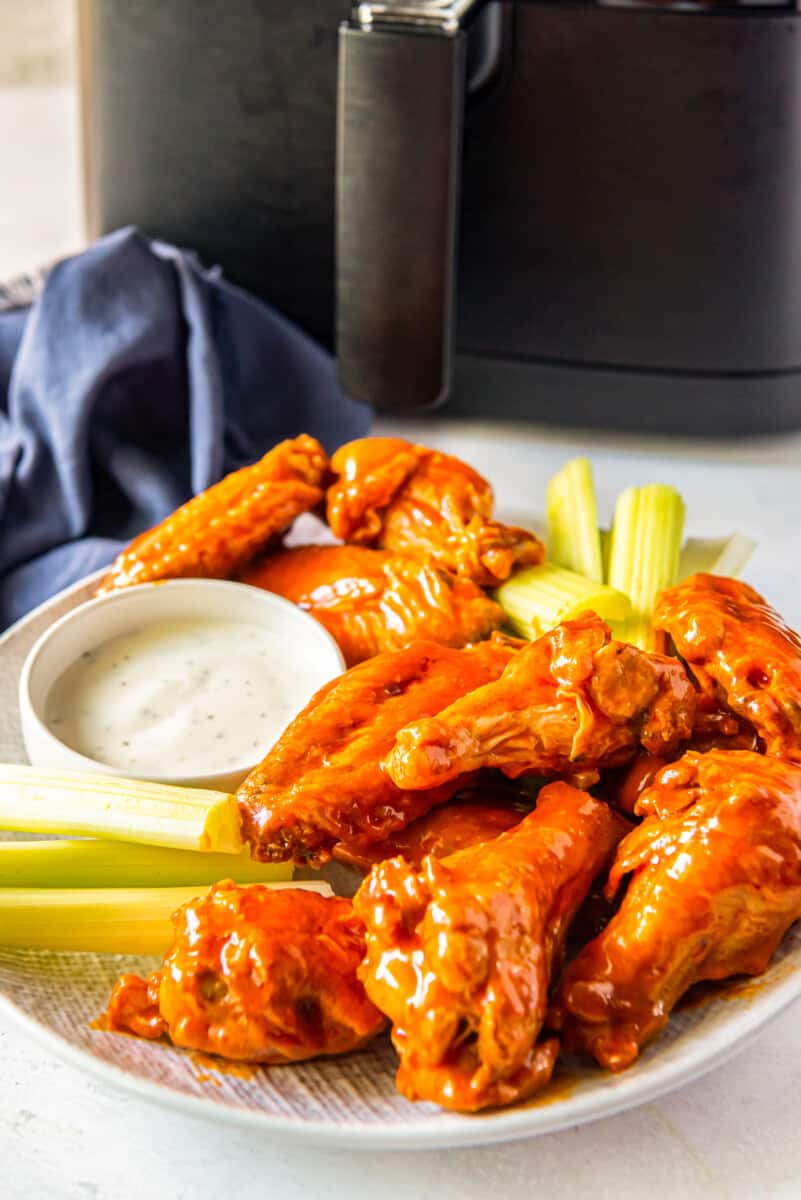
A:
(714, 729)
(715, 883)
(569, 701)
(460, 952)
(134, 1007)
(464, 821)
(741, 650)
(322, 782)
(257, 975)
(401, 497)
(373, 600)
(218, 531)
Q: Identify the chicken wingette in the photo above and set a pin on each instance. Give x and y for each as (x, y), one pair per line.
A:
(218, 531)
(323, 783)
(374, 600)
(401, 497)
(715, 882)
(571, 702)
(460, 952)
(742, 654)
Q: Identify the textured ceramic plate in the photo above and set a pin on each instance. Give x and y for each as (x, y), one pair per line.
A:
(350, 1101)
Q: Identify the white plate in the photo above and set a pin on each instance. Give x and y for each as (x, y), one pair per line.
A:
(349, 1102)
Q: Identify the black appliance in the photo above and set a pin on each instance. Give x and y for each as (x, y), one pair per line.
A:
(557, 210)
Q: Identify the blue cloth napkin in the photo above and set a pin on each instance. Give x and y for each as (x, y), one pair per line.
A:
(136, 379)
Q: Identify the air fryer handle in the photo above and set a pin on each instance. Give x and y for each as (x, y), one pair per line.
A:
(401, 106)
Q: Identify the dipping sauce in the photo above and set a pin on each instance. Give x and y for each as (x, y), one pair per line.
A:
(182, 697)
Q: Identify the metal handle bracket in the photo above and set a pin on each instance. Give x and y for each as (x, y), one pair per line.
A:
(402, 69)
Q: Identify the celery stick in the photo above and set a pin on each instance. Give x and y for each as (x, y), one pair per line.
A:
(537, 598)
(716, 556)
(644, 555)
(606, 544)
(123, 810)
(572, 513)
(104, 920)
(70, 863)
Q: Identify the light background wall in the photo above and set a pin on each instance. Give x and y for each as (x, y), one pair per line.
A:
(41, 213)
(37, 42)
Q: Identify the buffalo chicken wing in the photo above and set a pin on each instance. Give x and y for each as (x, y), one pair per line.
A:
(460, 953)
(571, 702)
(392, 494)
(373, 600)
(715, 883)
(741, 652)
(217, 532)
(255, 974)
(322, 782)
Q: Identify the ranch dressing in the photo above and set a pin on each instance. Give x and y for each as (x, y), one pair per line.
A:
(181, 697)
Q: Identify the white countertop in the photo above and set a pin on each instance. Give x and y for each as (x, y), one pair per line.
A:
(733, 1134)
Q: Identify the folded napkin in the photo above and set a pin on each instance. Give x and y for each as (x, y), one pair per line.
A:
(134, 380)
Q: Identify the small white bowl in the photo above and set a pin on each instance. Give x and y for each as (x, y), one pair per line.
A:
(118, 613)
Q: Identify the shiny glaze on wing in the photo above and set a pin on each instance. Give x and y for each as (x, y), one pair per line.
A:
(714, 729)
(322, 782)
(398, 496)
(741, 651)
(715, 883)
(134, 1007)
(373, 600)
(571, 701)
(460, 953)
(218, 531)
(257, 975)
(475, 815)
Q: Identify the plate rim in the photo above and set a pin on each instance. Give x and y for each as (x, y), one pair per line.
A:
(451, 1130)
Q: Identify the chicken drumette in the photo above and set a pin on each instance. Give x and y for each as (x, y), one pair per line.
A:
(573, 701)
(322, 782)
(223, 528)
(258, 975)
(715, 884)
(373, 600)
(392, 494)
(460, 953)
(741, 653)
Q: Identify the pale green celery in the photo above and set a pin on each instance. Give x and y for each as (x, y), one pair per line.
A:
(124, 810)
(103, 920)
(572, 512)
(644, 555)
(538, 598)
(73, 863)
(606, 545)
(716, 556)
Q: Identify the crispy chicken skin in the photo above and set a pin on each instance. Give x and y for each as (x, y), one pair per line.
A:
(258, 975)
(322, 782)
(474, 816)
(740, 651)
(460, 953)
(392, 494)
(217, 532)
(715, 883)
(373, 600)
(572, 701)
